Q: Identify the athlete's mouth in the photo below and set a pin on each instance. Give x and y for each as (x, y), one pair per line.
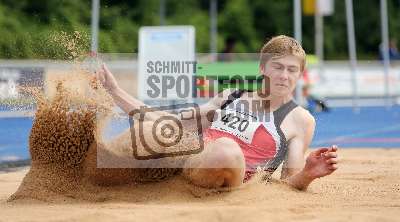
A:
(281, 85)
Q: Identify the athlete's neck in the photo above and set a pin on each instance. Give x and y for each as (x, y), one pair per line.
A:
(277, 101)
(274, 102)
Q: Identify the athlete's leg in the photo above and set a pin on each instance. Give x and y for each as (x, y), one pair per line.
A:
(113, 162)
(221, 164)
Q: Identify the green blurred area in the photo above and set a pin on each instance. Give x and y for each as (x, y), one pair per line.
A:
(17, 102)
(228, 69)
(234, 74)
(242, 74)
(28, 27)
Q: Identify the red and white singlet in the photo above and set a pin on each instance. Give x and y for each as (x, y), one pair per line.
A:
(259, 136)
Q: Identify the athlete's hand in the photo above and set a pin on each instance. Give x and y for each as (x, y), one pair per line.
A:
(106, 78)
(321, 162)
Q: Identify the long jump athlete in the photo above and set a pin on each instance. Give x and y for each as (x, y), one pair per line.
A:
(281, 137)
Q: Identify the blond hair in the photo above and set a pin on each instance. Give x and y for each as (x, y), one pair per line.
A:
(282, 45)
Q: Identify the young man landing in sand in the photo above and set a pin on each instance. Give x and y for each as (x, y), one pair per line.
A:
(236, 152)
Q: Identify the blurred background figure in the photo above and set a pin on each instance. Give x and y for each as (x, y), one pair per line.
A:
(393, 50)
(227, 53)
(310, 102)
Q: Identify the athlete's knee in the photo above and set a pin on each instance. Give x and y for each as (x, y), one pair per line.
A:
(214, 177)
(222, 165)
(228, 154)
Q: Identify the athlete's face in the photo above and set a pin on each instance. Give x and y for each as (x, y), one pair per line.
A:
(283, 73)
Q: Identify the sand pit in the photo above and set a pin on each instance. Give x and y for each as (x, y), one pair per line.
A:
(66, 146)
(365, 188)
(64, 183)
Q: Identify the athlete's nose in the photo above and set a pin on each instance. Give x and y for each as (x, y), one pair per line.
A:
(284, 75)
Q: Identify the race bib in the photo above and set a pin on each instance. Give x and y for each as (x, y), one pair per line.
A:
(240, 124)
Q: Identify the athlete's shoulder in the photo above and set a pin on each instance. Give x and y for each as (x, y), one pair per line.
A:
(222, 97)
(227, 92)
(303, 117)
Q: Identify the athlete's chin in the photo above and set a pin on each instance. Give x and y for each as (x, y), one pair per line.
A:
(281, 93)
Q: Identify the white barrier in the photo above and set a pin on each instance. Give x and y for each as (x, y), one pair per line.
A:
(336, 80)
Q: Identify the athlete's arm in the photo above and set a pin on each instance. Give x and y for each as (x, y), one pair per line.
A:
(208, 109)
(128, 103)
(297, 171)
